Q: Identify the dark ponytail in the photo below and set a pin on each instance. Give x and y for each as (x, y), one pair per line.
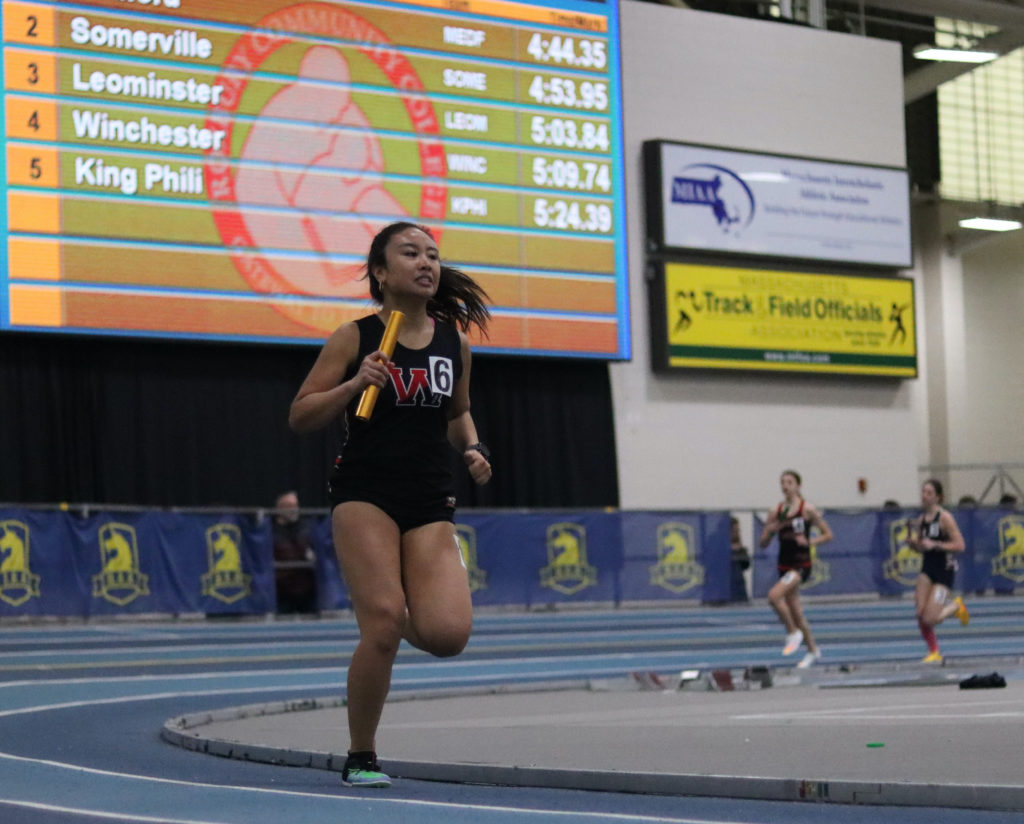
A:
(460, 300)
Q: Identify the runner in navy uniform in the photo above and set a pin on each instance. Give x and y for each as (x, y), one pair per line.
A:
(392, 491)
(792, 521)
(937, 537)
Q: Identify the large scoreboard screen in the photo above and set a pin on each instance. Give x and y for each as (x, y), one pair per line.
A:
(205, 169)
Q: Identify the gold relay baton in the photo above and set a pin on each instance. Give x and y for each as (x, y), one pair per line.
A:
(387, 346)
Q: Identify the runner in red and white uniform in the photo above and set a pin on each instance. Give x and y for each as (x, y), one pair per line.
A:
(792, 520)
(937, 537)
(392, 492)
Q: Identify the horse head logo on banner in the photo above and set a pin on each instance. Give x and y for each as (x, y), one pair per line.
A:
(567, 570)
(17, 581)
(225, 579)
(677, 569)
(120, 579)
(903, 564)
(1009, 563)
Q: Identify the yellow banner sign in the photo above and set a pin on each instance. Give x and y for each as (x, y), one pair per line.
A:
(722, 317)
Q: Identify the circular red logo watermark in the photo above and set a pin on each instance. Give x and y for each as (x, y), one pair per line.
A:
(290, 199)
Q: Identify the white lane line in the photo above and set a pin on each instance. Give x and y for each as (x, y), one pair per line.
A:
(186, 676)
(935, 717)
(146, 819)
(415, 674)
(401, 681)
(831, 712)
(97, 647)
(112, 653)
(376, 799)
(153, 696)
(397, 684)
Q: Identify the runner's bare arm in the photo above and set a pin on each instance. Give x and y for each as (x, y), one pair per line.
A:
(461, 428)
(956, 541)
(824, 531)
(771, 526)
(321, 398)
(914, 534)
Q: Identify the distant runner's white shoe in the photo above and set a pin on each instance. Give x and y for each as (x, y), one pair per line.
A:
(793, 642)
(809, 660)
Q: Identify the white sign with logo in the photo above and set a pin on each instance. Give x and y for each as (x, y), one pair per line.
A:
(719, 200)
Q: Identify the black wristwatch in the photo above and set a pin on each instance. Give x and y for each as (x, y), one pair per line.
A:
(481, 448)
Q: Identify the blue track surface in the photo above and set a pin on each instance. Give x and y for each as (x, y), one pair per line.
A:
(81, 708)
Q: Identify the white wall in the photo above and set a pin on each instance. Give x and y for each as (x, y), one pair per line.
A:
(703, 440)
(993, 295)
(970, 308)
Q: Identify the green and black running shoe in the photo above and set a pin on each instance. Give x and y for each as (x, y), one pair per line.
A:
(362, 770)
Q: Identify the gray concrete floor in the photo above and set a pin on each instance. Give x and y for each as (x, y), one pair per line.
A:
(928, 734)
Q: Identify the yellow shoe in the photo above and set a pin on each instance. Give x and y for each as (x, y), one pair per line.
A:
(961, 611)
(932, 658)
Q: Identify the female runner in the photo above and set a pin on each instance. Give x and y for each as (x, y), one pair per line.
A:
(937, 537)
(792, 521)
(392, 488)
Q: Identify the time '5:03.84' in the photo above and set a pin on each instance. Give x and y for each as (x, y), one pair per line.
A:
(566, 133)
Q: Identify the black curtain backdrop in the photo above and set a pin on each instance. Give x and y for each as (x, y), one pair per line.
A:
(156, 423)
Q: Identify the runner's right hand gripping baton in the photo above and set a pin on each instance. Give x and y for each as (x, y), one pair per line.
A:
(387, 346)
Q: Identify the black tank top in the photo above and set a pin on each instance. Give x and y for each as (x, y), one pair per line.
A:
(404, 445)
(790, 526)
(936, 558)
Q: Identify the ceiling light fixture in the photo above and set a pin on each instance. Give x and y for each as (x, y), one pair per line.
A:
(926, 52)
(990, 224)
